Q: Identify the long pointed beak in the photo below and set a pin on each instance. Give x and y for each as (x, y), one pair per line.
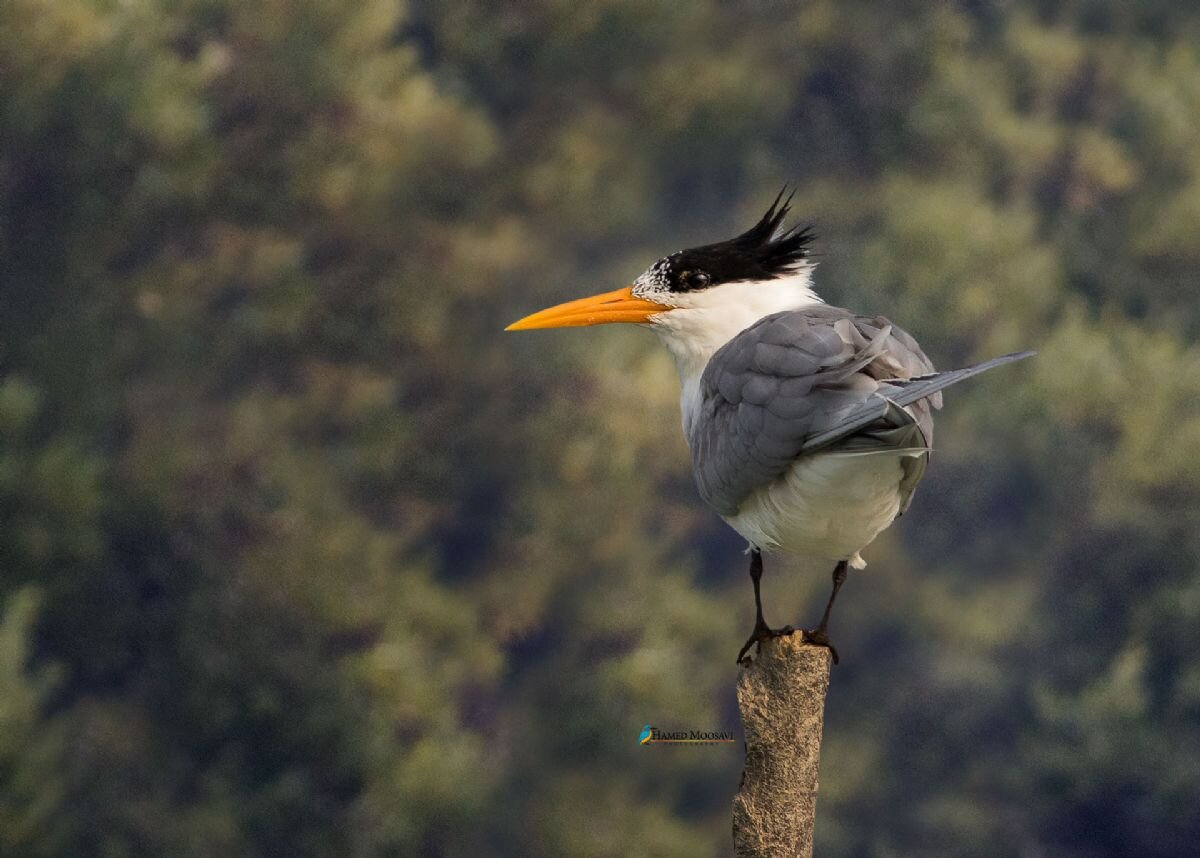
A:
(618, 306)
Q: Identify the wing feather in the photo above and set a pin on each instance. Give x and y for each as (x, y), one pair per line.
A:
(792, 377)
(821, 379)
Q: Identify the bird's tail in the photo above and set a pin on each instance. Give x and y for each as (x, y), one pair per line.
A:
(895, 392)
(911, 390)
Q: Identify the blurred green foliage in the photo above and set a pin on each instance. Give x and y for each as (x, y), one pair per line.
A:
(299, 555)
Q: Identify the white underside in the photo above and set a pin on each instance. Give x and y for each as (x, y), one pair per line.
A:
(828, 505)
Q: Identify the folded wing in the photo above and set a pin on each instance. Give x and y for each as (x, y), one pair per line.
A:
(820, 379)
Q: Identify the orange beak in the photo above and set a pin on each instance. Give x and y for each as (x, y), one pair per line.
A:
(618, 306)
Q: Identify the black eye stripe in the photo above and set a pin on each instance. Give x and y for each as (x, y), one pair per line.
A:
(689, 280)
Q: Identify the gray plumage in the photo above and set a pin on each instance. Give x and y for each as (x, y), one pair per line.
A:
(815, 380)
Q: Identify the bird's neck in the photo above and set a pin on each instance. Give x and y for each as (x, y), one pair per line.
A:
(692, 334)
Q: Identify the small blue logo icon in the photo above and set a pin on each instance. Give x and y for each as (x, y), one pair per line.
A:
(647, 735)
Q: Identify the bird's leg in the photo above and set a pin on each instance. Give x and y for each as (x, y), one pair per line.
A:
(820, 635)
(761, 631)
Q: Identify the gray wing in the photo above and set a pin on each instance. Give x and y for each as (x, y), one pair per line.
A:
(901, 392)
(797, 376)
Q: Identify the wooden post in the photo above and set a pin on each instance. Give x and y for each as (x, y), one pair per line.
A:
(781, 695)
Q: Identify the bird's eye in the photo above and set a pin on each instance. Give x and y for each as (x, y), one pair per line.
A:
(695, 279)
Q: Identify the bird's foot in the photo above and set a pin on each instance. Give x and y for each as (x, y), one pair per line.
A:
(819, 637)
(762, 632)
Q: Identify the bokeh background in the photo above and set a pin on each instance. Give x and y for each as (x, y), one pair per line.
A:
(301, 555)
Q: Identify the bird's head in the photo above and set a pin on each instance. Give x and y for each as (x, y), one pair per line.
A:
(703, 296)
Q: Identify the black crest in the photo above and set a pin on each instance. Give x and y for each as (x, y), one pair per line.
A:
(762, 252)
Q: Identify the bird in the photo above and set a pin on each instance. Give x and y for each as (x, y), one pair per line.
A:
(809, 425)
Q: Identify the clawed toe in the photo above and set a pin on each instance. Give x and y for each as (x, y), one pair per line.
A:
(762, 633)
(819, 637)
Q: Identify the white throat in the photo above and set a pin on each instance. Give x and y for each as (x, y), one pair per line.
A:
(704, 321)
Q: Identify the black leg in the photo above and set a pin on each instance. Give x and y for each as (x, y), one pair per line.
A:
(756, 579)
(761, 631)
(820, 635)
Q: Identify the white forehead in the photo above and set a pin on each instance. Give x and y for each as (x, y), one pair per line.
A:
(655, 280)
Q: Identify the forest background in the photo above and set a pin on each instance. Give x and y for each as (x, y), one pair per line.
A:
(301, 555)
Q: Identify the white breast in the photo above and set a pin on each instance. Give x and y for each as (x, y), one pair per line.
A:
(828, 505)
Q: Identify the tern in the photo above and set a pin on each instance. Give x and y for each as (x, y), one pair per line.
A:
(809, 425)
